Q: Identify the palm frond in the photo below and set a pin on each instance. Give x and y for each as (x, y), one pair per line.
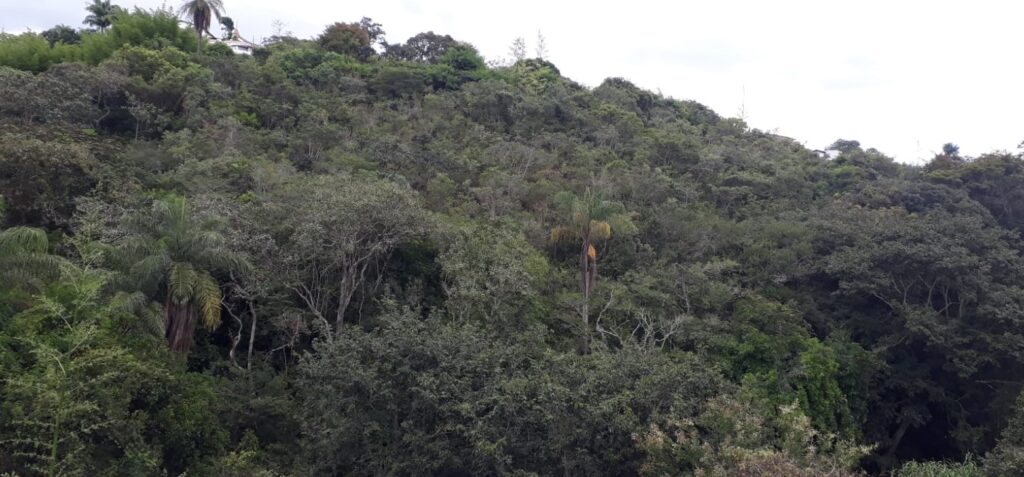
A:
(208, 296)
(564, 199)
(600, 230)
(30, 270)
(129, 303)
(604, 209)
(563, 235)
(206, 239)
(151, 270)
(181, 283)
(134, 248)
(23, 240)
(622, 224)
(223, 260)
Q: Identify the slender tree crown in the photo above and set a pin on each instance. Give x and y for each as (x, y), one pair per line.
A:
(174, 256)
(101, 14)
(201, 12)
(591, 218)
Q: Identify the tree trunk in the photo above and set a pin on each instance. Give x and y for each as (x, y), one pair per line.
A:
(181, 322)
(894, 443)
(252, 335)
(585, 283)
(346, 290)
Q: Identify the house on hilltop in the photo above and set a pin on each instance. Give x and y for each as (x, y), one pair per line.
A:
(239, 45)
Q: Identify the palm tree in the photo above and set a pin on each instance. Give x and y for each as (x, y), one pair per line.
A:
(101, 14)
(174, 257)
(202, 13)
(591, 220)
(24, 261)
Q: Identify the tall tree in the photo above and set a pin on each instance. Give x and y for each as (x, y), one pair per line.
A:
(591, 219)
(101, 14)
(61, 34)
(174, 255)
(201, 12)
(341, 231)
(348, 39)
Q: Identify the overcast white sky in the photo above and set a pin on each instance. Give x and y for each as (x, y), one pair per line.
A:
(901, 76)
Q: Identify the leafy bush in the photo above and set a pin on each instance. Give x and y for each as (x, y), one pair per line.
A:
(941, 469)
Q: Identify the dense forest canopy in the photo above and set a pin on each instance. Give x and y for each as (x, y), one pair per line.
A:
(345, 256)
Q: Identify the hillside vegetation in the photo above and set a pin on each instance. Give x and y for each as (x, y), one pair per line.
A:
(344, 256)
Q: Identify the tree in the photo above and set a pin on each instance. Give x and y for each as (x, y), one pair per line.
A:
(845, 145)
(174, 255)
(347, 39)
(541, 49)
(82, 390)
(951, 149)
(518, 49)
(340, 231)
(228, 25)
(429, 396)
(491, 273)
(61, 34)
(1008, 456)
(101, 14)
(202, 13)
(920, 288)
(374, 30)
(591, 219)
(426, 47)
(40, 179)
(996, 181)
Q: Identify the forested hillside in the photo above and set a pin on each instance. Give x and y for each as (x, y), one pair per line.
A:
(345, 256)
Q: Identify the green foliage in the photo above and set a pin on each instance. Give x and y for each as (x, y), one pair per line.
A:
(492, 274)
(41, 179)
(170, 256)
(218, 50)
(391, 258)
(61, 34)
(347, 39)
(1008, 456)
(28, 52)
(72, 386)
(426, 47)
(941, 469)
(424, 396)
(771, 351)
(156, 30)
